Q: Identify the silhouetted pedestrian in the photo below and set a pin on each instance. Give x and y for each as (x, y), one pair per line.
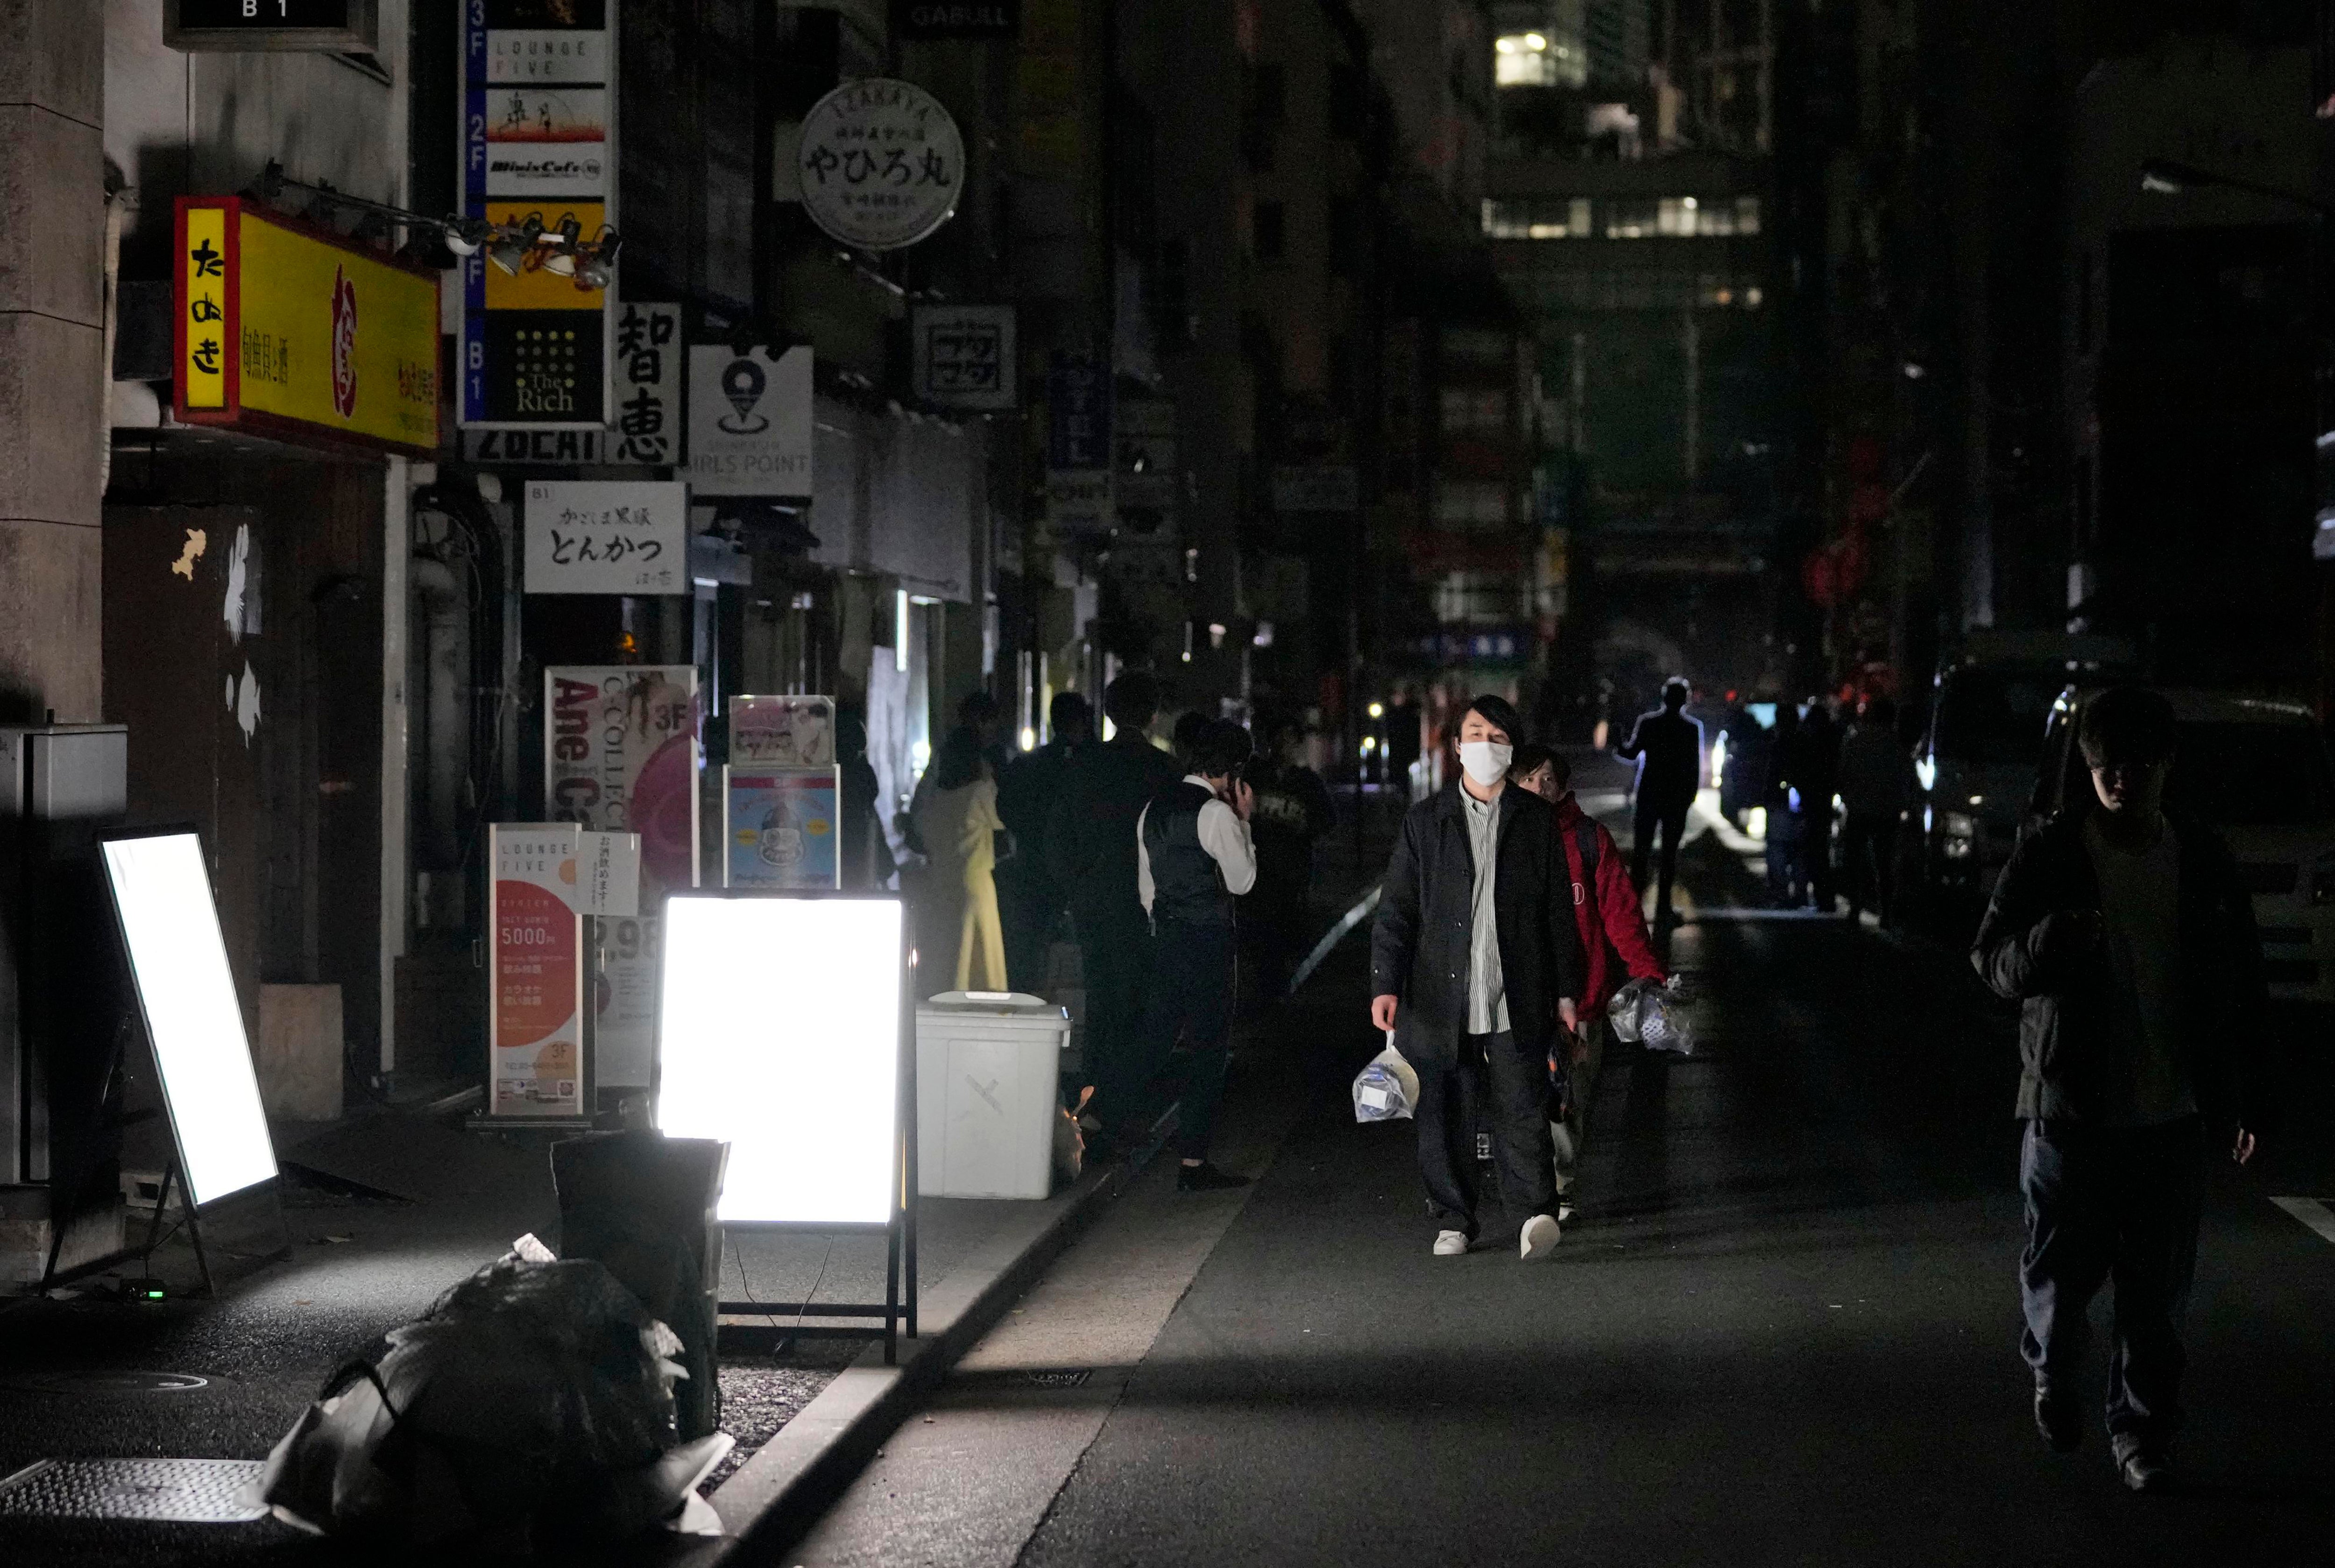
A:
(1877, 787)
(1667, 746)
(1294, 809)
(2124, 933)
(1090, 848)
(1812, 774)
(1030, 900)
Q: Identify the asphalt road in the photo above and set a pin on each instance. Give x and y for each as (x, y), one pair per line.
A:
(1782, 1328)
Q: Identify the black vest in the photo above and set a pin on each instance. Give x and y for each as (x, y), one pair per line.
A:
(1186, 884)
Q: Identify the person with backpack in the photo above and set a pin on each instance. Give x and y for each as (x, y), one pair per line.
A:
(1612, 923)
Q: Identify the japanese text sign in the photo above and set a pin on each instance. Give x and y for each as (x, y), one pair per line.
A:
(882, 164)
(965, 355)
(648, 374)
(607, 536)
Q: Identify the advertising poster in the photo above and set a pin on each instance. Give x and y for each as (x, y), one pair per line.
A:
(537, 141)
(779, 827)
(782, 731)
(537, 1001)
(620, 756)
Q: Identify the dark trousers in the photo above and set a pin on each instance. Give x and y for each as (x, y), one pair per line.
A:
(1869, 860)
(2121, 1204)
(1507, 1091)
(1115, 959)
(1029, 907)
(1192, 975)
(1669, 816)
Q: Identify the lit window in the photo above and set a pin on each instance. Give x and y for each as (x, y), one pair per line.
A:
(1557, 218)
(1524, 60)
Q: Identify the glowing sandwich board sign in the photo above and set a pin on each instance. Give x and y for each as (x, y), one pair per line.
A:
(780, 1034)
(178, 961)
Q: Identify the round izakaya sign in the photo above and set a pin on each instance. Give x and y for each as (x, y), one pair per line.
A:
(882, 164)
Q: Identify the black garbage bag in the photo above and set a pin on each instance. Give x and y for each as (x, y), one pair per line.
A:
(531, 1408)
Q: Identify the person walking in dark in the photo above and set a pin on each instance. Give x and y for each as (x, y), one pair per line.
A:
(1812, 772)
(1089, 849)
(1193, 856)
(2123, 931)
(1474, 968)
(1294, 809)
(1787, 873)
(1667, 747)
(1877, 787)
(1031, 899)
(867, 855)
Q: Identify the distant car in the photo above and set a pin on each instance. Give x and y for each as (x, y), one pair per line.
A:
(1977, 767)
(2258, 770)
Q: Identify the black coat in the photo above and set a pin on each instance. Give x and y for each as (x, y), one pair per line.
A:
(1419, 943)
(2024, 954)
(1668, 747)
(1089, 844)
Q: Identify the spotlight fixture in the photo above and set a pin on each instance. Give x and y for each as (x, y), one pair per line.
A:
(466, 237)
(510, 247)
(562, 242)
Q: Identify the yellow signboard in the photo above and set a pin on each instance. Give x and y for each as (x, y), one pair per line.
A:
(296, 334)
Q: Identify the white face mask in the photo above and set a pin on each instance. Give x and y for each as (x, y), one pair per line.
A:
(1486, 762)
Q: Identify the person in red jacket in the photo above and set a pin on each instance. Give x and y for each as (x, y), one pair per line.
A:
(1612, 925)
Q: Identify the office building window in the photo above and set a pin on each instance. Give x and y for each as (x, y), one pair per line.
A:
(1560, 217)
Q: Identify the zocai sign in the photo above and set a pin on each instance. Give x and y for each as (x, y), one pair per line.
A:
(882, 164)
(294, 333)
(956, 18)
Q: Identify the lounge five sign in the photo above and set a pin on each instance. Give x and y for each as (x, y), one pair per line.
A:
(294, 332)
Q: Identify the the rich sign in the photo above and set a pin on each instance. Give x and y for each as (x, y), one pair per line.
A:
(536, 1003)
(537, 143)
(749, 421)
(607, 536)
(294, 333)
(965, 355)
(882, 164)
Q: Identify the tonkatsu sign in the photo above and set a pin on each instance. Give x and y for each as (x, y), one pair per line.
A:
(292, 332)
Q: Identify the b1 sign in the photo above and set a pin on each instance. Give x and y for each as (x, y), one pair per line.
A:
(607, 536)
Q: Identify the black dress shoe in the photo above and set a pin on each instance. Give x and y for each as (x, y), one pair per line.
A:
(2143, 1466)
(1205, 1177)
(2061, 1421)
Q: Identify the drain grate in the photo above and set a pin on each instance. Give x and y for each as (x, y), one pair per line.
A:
(1067, 1377)
(181, 1491)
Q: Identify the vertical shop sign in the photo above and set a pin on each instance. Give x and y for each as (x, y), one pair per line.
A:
(620, 756)
(536, 1004)
(1079, 489)
(648, 384)
(538, 144)
(779, 827)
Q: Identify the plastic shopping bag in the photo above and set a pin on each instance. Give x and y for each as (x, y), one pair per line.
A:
(1387, 1090)
(1646, 1013)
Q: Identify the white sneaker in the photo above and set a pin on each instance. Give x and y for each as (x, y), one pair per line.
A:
(1450, 1243)
(1538, 1239)
(1565, 1214)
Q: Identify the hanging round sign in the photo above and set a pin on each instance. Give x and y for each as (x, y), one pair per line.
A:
(882, 164)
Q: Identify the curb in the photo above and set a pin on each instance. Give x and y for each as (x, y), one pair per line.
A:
(777, 1496)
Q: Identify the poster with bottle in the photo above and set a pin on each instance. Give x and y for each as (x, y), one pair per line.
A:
(782, 731)
(621, 755)
(779, 827)
(535, 1001)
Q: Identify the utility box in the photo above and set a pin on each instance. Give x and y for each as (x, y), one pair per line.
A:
(988, 1069)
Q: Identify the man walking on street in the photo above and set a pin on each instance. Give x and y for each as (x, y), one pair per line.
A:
(1472, 966)
(1877, 786)
(2123, 931)
(1667, 746)
(1193, 857)
(1611, 924)
(1031, 899)
(1089, 849)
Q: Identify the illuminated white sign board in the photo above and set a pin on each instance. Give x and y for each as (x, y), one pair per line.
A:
(780, 1034)
(177, 959)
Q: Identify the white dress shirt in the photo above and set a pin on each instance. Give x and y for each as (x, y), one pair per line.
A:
(1222, 835)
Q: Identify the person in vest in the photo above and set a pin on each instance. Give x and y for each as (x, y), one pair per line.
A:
(1473, 966)
(1614, 945)
(1193, 857)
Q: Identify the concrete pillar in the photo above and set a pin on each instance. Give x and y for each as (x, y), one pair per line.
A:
(52, 379)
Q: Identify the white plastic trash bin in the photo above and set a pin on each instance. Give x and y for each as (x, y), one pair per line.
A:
(987, 1063)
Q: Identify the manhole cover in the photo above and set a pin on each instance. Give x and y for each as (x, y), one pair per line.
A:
(182, 1491)
(106, 1381)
